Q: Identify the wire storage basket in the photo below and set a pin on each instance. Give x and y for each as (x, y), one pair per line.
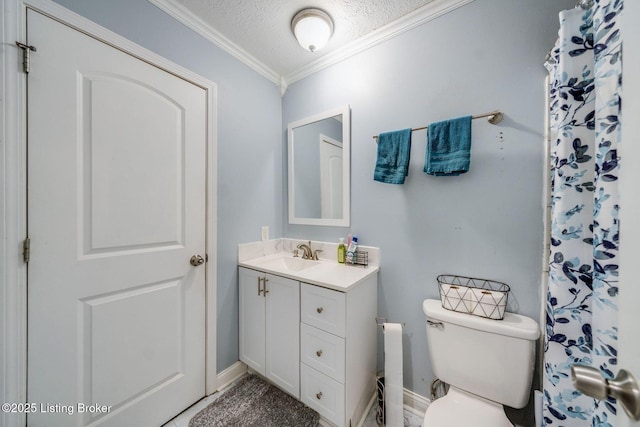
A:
(480, 297)
(360, 258)
(381, 419)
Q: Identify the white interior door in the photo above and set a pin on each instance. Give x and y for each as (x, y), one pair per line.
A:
(331, 177)
(116, 195)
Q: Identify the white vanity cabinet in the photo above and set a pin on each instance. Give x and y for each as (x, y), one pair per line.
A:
(270, 327)
(314, 331)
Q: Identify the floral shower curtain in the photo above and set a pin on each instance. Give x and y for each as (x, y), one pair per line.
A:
(581, 307)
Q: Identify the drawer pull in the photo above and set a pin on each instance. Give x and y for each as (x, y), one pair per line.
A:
(319, 395)
(319, 310)
(319, 353)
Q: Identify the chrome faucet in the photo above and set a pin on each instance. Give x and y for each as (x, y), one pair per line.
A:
(308, 253)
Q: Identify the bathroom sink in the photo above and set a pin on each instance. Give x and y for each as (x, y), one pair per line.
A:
(289, 263)
(328, 273)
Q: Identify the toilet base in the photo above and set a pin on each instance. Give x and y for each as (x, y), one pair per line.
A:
(459, 408)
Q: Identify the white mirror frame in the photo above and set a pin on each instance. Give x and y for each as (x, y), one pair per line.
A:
(346, 168)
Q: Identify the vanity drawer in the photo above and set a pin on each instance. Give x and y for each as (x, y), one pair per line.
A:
(323, 394)
(323, 308)
(322, 351)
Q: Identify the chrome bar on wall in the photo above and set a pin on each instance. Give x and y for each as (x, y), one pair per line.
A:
(494, 117)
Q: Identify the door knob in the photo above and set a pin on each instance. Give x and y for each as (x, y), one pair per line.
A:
(623, 387)
(196, 260)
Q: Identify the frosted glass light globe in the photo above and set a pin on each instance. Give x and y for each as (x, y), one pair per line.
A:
(312, 28)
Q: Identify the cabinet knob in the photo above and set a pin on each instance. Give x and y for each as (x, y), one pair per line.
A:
(319, 353)
(319, 310)
(319, 395)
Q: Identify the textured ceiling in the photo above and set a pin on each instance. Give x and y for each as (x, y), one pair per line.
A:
(263, 27)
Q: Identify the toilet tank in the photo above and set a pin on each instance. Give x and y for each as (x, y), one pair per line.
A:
(493, 359)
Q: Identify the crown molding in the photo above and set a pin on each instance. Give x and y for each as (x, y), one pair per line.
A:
(193, 22)
(414, 19)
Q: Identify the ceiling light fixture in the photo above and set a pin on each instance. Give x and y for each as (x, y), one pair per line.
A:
(312, 28)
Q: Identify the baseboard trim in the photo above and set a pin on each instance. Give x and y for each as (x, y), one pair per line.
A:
(231, 374)
(415, 402)
(411, 401)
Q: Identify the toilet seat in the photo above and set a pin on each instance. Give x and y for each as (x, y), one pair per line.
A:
(459, 408)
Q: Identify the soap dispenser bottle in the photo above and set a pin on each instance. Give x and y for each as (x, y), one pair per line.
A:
(342, 251)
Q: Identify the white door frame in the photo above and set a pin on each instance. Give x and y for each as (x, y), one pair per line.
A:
(324, 139)
(13, 213)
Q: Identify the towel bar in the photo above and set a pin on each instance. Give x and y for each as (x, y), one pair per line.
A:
(494, 117)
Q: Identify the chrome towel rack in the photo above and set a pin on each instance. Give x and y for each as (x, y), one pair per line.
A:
(494, 117)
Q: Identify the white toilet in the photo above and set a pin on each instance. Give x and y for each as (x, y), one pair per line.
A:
(487, 363)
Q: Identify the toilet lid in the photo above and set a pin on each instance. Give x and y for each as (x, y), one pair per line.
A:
(458, 408)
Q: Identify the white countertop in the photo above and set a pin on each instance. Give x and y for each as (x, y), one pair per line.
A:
(325, 273)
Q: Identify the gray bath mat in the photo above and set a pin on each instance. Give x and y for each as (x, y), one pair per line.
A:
(254, 403)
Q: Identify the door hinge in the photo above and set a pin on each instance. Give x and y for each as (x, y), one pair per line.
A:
(26, 250)
(26, 56)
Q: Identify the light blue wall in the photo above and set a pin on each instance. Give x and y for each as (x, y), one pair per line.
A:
(487, 223)
(249, 117)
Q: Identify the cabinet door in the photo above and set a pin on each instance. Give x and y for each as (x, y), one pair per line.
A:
(283, 333)
(252, 319)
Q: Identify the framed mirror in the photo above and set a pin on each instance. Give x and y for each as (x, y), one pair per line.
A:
(319, 151)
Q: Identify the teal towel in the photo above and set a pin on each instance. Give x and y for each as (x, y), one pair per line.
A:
(394, 149)
(448, 147)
